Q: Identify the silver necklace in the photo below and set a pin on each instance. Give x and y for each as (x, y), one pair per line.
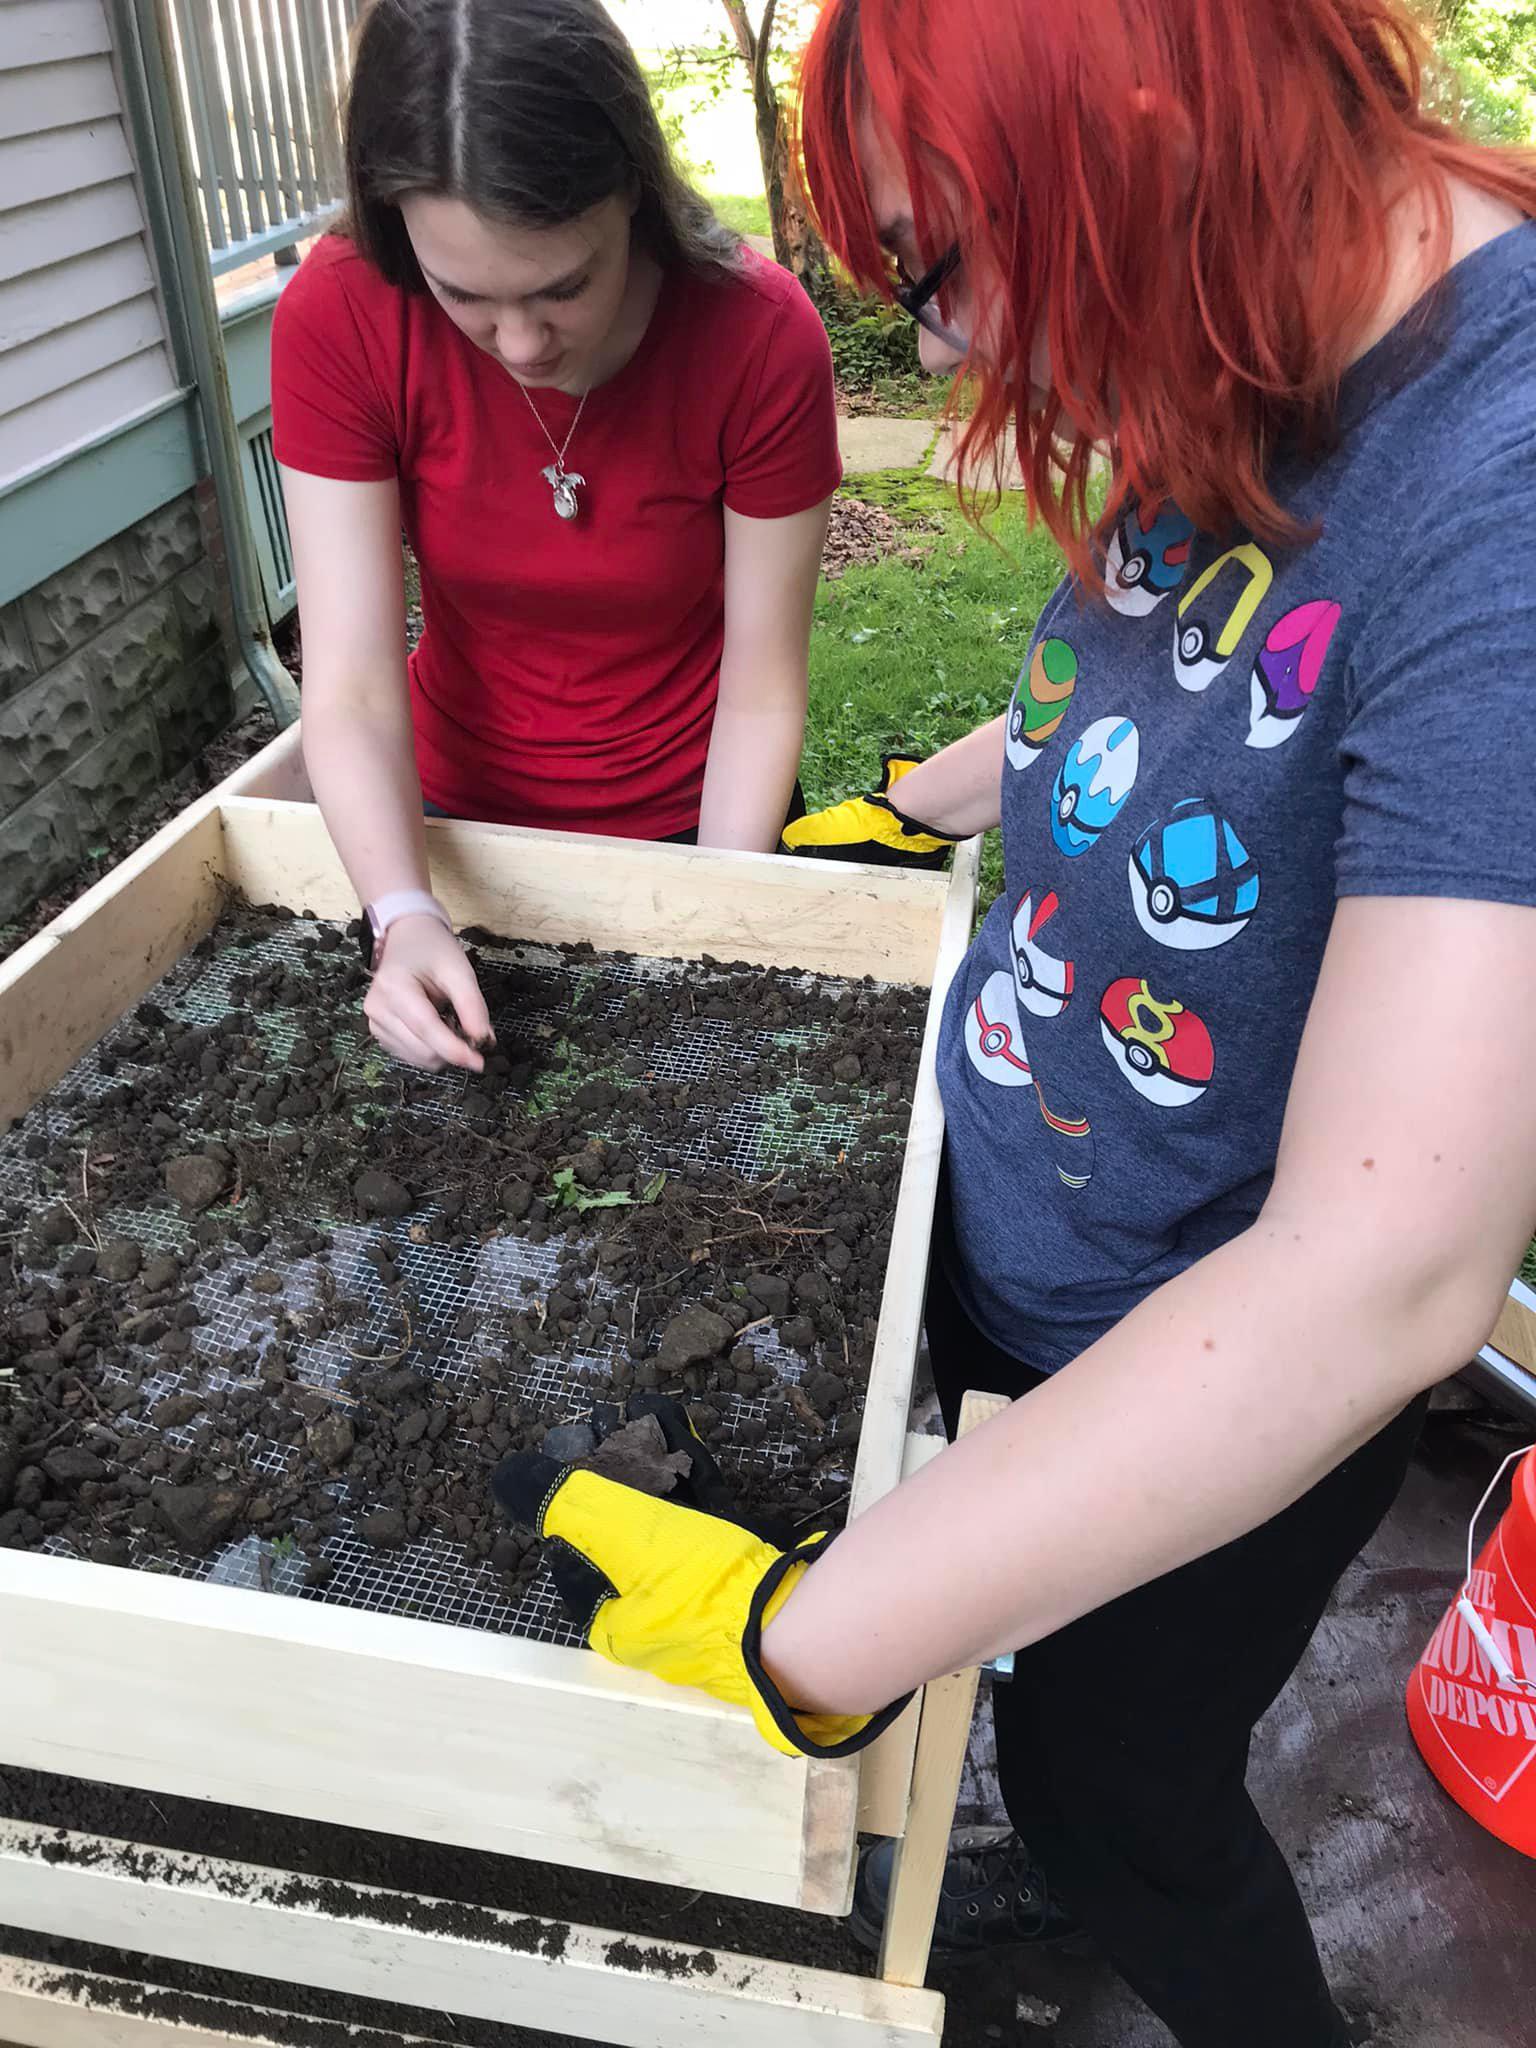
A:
(561, 480)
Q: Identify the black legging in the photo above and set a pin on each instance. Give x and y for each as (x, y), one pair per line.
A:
(1122, 1741)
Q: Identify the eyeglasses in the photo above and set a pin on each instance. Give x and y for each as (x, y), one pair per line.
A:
(919, 299)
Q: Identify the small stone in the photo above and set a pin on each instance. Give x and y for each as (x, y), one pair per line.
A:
(80, 1263)
(332, 1439)
(195, 1180)
(568, 1442)
(516, 1198)
(119, 1259)
(174, 1410)
(384, 1529)
(813, 1288)
(72, 1467)
(596, 1094)
(265, 1282)
(799, 1333)
(507, 1552)
(847, 1068)
(198, 1516)
(692, 1338)
(160, 1272)
(412, 1429)
(320, 1573)
(380, 1194)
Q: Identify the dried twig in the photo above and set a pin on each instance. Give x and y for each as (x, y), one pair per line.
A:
(390, 1357)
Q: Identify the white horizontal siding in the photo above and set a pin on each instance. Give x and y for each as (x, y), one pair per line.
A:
(33, 237)
(37, 167)
(40, 433)
(46, 300)
(43, 31)
(82, 337)
(41, 96)
(70, 354)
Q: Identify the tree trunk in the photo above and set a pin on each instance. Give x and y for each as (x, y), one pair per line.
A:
(796, 243)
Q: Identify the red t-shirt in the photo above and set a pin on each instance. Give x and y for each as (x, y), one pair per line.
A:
(568, 671)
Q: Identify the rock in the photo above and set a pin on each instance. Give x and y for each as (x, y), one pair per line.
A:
(568, 1442)
(596, 1094)
(799, 1333)
(119, 1259)
(516, 1199)
(811, 1287)
(637, 1456)
(771, 1289)
(195, 1181)
(847, 1068)
(71, 1467)
(160, 1272)
(384, 1529)
(332, 1439)
(80, 1264)
(380, 1194)
(695, 1336)
(10, 1468)
(265, 1282)
(28, 1489)
(412, 1429)
(175, 1409)
(320, 1573)
(198, 1516)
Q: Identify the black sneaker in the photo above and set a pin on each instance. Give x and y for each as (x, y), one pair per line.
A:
(993, 1896)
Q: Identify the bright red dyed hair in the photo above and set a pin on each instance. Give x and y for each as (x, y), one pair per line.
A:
(1185, 197)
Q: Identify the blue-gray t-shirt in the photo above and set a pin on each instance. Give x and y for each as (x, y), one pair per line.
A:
(1195, 772)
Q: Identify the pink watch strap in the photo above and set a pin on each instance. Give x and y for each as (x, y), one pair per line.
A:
(385, 911)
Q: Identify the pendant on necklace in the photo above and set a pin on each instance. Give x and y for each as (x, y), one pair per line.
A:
(563, 483)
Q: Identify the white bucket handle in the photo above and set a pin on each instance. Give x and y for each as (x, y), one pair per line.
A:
(1464, 1607)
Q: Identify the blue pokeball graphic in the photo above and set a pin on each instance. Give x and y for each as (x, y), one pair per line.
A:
(1093, 783)
(1148, 555)
(1193, 882)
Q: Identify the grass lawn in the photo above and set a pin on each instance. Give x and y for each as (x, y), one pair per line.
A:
(917, 657)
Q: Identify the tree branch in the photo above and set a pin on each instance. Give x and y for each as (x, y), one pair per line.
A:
(746, 42)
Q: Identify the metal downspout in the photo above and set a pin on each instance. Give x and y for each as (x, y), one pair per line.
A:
(165, 160)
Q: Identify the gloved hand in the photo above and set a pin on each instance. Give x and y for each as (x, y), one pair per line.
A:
(871, 828)
(675, 1591)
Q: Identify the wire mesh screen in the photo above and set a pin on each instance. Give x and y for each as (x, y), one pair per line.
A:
(447, 1303)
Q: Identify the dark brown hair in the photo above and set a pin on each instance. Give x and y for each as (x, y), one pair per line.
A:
(530, 111)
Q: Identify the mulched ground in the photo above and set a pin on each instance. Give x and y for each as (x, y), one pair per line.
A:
(862, 534)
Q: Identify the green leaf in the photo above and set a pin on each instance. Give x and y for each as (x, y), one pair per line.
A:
(653, 1188)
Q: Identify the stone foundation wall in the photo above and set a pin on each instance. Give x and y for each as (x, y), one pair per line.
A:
(112, 678)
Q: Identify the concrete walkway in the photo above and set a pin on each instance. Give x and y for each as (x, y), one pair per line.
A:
(871, 443)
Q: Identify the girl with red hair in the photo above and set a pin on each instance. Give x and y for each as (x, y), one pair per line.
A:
(1241, 1137)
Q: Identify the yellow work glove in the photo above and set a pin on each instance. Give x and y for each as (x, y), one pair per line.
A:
(674, 1591)
(871, 828)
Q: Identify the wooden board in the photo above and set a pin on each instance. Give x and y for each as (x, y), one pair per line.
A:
(1514, 1334)
(949, 1705)
(885, 1768)
(621, 895)
(537, 1751)
(357, 1941)
(60, 991)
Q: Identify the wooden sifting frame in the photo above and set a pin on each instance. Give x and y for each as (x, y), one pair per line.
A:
(633, 1777)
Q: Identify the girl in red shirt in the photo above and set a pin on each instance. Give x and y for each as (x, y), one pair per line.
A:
(609, 433)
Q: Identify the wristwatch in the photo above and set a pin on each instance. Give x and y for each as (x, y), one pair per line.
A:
(377, 918)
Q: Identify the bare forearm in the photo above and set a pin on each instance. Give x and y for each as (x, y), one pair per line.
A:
(1215, 1404)
(959, 789)
(362, 764)
(754, 751)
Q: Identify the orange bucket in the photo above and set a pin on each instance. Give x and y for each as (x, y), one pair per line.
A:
(1472, 1696)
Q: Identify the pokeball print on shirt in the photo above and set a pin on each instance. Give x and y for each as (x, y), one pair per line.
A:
(1040, 700)
(1093, 783)
(1042, 982)
(1147, 557)
(1216, 611)
(1193, 882)
(1163, 1050)
(1287, 671)
(994, 1037)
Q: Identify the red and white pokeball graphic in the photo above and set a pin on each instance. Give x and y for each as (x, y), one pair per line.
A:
(993, 1035)
(1043, 982)
(1162, 1048)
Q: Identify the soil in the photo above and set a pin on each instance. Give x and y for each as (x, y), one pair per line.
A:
(241, 1305)
(862, 533)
